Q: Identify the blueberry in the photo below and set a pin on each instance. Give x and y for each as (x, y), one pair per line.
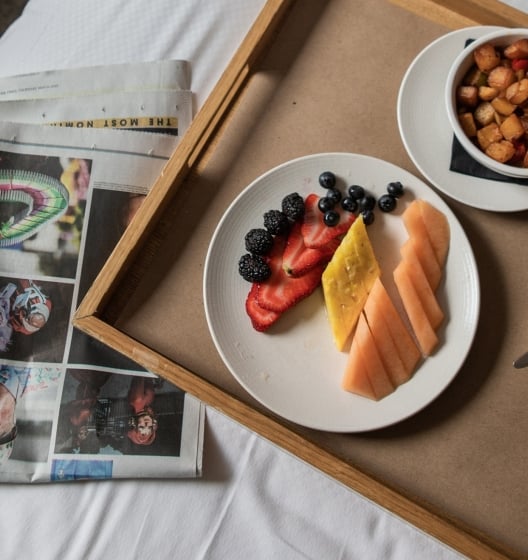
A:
(395, 188)
(349, 204)
(368, 202)
(368, 217)
(331, 218)
(387, 203)
(327, 180)
(334, 195)
(356, 191)
(324, 204)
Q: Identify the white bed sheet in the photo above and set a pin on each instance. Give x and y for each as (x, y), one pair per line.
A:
(254, 500)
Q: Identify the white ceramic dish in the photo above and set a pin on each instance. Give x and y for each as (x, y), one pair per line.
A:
(427, 134)
(294, 369)
(459, 68)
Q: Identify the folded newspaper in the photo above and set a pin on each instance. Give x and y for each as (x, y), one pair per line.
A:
(70, 407)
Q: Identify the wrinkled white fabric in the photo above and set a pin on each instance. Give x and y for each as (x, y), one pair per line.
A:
(254, 500)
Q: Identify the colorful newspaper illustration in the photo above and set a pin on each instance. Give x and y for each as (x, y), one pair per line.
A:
(70, 407)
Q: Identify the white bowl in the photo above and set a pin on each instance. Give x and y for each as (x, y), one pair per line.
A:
(460, 66)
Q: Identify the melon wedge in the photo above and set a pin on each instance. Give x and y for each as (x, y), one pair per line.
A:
(355, 379)
(424, 221)
(370, 361)
(421, 325)
(414, 271)
(437, 229)
(387, 345)
(421, 249)
(408, 350)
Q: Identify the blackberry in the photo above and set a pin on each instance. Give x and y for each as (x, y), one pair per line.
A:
(276, 222)
(253, 268)
(259, 241)
(293, 206)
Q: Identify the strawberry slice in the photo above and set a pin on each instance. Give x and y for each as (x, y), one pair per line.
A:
(299, 259)
(315, 232)
(280, 291)
(261, 318)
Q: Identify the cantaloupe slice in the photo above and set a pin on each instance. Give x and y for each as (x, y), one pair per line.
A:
(421, 325)
(414, 270)
(370, 360)
(421, 249)
(355, 378)
(408, 350)
(437, 229)
(387, 345)
(421, 219)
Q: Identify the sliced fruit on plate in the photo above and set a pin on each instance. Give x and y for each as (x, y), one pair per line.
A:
(347, 281)
(314, 230)
(372, 364)
(417, 284)
(281, 291)
(420, 322)
(261, 318)
(420, 248)
(382, 348)
(422, 219)
(299, 259)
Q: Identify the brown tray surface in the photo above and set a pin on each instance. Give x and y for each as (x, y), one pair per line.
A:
(329, 83)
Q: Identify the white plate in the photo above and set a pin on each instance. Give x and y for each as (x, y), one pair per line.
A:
(294, 368)
(427, 135)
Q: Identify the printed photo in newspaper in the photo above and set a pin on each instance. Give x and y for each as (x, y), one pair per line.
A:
(70, 407)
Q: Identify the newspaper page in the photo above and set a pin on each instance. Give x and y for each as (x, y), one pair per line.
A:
(70, 407)
(167, 111)
(139, 76)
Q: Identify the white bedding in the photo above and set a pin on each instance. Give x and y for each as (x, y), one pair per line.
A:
(254, 500)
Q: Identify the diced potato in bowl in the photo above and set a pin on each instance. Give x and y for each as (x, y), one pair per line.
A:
(487, 101)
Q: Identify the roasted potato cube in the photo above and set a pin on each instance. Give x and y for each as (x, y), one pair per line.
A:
(486, 57)
(501, 151)
(501, 77)
(484, 113)
(512, 127)
(503, 106)
(467, 96)
(468, 124)
(487, 93)
(517, 92)
(518, 49)
(488, 135)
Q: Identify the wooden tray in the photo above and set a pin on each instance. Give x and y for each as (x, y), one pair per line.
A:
(297, 86)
